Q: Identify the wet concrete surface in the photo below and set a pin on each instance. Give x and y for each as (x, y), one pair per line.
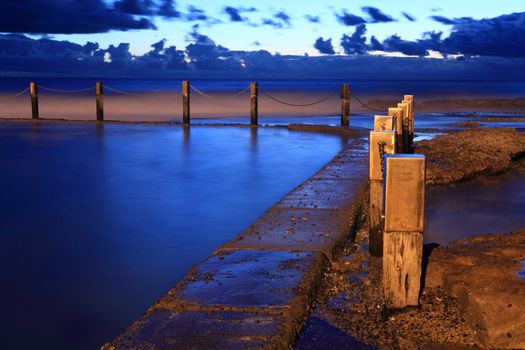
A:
(270, 273)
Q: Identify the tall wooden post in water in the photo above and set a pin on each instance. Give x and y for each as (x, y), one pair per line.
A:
(99, 91)
(381, 143)
(403, 230)
(409, 100)
(185, 102)
(254, 103)
(397, 113)
(33, 91)
(345, 105)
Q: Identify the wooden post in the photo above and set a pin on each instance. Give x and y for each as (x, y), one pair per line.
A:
(185, 102)
(381, 143)
(384, 122)
(403, 231)
(33, 90)
(409, 99)
(254, 103)
(345, 105)
(405, 127)
(99, 90)
(397, 113)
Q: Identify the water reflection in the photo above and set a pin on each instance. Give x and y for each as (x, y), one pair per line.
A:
(99, 222)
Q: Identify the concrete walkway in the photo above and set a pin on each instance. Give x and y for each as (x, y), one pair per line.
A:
(256, 290)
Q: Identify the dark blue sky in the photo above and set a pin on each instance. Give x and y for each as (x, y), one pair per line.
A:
(155, 37)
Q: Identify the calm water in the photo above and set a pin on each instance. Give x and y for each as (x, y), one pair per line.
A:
(422, 88)
(98, 223)
(495, 204)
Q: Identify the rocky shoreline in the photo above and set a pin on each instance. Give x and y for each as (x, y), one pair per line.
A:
(473, 293)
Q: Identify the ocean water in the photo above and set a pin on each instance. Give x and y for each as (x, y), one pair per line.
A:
(420, 88)
(98, 222)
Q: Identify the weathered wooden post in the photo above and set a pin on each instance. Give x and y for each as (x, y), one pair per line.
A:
(33, 91)
(403, 230)
(254, 103)
(345, 105)
(397, 113)
(409, 99)
(99, 90)
(384, 122)
(381, 143)
(404, 107)
(185, 102)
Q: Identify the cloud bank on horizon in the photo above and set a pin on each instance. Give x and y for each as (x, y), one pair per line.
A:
(464, 47)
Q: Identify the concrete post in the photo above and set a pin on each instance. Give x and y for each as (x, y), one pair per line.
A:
(345, 105)
(99, 90)
(254, 103)
(404, 207)
(381, 143)
(185, 102)
(33, 91)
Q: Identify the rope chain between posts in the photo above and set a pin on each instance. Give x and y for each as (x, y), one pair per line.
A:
(211, 96)
(296, 104)
(14, 95)
(119, 91)
(381, 156)
(65, 91)
(365, 105)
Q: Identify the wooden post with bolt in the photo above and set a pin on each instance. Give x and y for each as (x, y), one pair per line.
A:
(99, 91)
(254, 103)
(345, 105)
(381, 143)
(33, 91)
(403, 229)
(405, 127)
(397, 113)
(185, 102)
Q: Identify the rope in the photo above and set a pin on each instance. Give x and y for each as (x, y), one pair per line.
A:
(211, 96)
(65, 91)
(296, 104)
(119, 91)
(14, 95)
(365, 105)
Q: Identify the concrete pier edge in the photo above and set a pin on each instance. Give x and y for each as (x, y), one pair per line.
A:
(256, 290)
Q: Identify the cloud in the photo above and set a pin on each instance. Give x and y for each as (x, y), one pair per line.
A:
(376, 15)
(356, 43)
(66, 17)
(235, 13)
(280, 20)
(324, 46)
(168, 9)
(409, 17)
(313, 19)
(443, 20)
(349, 19)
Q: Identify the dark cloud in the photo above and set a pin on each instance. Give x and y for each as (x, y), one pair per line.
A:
(168, 9)
(376, 15)
(324, 46)
(313, 19)
(356, 43)
(502, 36)
(409, 17)
(66, 17)
(443, 19)
(376, 44)
(349, 19)
(235, 13)
(134, 7)
(196, 14)
(279, 20)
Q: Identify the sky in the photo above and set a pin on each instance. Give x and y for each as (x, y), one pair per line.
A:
(160, 36)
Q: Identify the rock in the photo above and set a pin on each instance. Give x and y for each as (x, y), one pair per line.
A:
(482, 273)
(469, 153)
